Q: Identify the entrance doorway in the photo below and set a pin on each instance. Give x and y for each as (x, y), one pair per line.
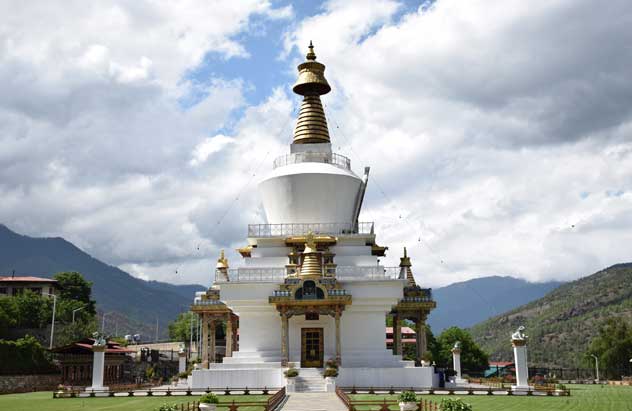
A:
(312, 351)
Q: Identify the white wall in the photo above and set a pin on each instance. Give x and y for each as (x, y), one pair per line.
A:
(310, 193)
(238, 378)
(416, 377)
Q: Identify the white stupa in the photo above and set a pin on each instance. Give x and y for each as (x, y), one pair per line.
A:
(311, 288)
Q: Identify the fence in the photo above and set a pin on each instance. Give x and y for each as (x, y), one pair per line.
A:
(488, 390)
(132, 391)
(383, 405)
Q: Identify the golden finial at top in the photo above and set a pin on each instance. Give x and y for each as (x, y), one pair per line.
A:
(311, 125)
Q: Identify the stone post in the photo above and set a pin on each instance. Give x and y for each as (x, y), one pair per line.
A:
(98, 367)
(182, 361)
(456, 361)
(519, 343)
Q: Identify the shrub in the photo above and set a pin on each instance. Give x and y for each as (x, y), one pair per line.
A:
(560, 387)
(167, 407)
(427, 356)
(331, 364)
(408, 396)
(331, 372)
(25, 356)
(456, 404)
(291, 372)
(209, 398)
(183, 375)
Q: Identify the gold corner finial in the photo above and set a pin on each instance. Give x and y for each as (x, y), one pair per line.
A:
(222, 261)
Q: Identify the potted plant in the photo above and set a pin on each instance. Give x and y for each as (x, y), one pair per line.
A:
(209, 402)
(426, 359)
(183, 377)
(290, 374)
(330, 374)
(407, 401)
(168, 407)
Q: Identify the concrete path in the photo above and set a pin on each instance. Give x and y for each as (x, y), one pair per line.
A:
(321, 401)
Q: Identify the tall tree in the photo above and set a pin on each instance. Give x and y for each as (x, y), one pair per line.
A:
(613, 347)
(72, 286)
(473, 358)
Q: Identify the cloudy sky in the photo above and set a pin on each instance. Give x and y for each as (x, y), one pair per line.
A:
(499, 132)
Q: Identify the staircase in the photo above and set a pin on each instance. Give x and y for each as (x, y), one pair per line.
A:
(310, 380)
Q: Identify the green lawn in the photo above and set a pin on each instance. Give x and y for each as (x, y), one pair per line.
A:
(43, 401)
(583, 398)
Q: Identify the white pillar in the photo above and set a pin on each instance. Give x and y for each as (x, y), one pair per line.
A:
(456, 360)
(182, 361)
(98, 366)
(520, 359)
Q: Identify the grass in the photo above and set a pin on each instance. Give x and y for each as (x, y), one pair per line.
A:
(583, 398)
(43, 401)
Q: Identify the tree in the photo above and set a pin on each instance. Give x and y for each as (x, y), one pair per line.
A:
(613, 347)
(73, 287)
(473, 358)
(180, 329)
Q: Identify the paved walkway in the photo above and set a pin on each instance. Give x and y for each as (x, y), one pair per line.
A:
(313, 401)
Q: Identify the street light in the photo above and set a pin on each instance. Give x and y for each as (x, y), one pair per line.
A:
(596, 365)
(52, 325)
(103, 321)
(74, 311)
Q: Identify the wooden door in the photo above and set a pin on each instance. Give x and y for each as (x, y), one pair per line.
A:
(312, 352)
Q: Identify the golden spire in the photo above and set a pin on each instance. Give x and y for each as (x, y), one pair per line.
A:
(311, 258)
(311, 126)
(405, 264)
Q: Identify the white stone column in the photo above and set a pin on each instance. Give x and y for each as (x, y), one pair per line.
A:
(182, 361)
(522, 370)
(456, 361)
(98, 366)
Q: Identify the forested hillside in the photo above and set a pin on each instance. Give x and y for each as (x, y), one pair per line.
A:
(561, 324)
(133, 305)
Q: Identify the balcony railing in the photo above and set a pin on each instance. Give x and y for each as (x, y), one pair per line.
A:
(285, 230)
(310, 157)
(278, 275)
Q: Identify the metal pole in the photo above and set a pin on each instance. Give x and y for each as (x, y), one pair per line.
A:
(52, 326)
(74, 311)
(596, 365)
(103, 321)
(156, 329)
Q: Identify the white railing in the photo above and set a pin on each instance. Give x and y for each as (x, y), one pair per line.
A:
(278, 275)
(313, 157)
(367, 273)
(252, 275)
(285, 230)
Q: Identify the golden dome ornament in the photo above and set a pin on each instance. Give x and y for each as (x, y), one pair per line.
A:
(311, 126)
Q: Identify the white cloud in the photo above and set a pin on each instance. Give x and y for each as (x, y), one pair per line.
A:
(498, 132)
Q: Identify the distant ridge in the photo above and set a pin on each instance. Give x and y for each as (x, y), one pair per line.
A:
(561, 324)
(136, 303)
(466, 303)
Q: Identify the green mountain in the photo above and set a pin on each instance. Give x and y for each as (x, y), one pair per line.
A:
(133, 305)
(561, 324)
(469, 302)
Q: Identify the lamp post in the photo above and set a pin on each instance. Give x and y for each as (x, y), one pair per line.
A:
(103, 321)
(74, 311)
(52, 324)
(596, 365)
